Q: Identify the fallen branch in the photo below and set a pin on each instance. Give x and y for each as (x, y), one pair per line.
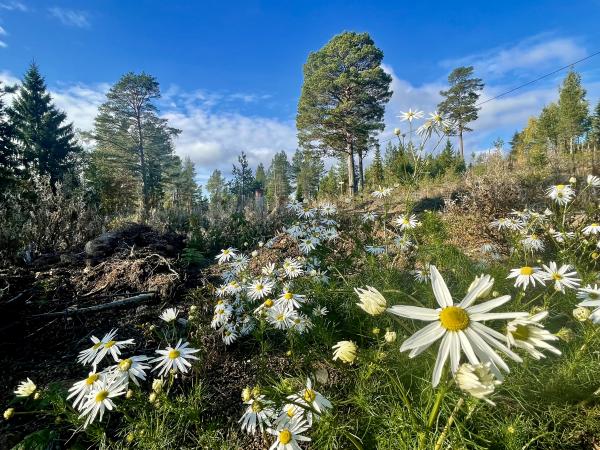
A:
(112, 305)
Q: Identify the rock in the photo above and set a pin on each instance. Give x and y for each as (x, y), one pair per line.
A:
(102, 246)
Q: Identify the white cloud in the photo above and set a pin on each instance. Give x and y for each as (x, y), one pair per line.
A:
(537, 53)
(3, 44)
(70, 17)
(13, 6)
(3, 32)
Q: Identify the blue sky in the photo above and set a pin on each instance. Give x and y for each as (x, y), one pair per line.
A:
(231, 72)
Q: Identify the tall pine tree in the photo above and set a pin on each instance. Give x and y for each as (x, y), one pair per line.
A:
(10, 164)
(572, 110)
(46, 142)
(459, 104)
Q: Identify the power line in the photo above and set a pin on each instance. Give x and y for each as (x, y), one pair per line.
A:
(524, 84)
(537, 79)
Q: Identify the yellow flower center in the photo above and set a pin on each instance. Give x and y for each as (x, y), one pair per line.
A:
(291, 412)
(594, 225)
(125, 365)
(101, 396)
(280, 317)
(259, 287)
(593, 295)
(174, 354)
(560, 187)
(527, 271)
(454, 318)
(226, 252)
(109, 344)
(257, 406)
(405, 221)
(288, 295)
(309, 395)
(521, 333)
(557, 276)
(285, 436)
(91, 379)
(268, 303)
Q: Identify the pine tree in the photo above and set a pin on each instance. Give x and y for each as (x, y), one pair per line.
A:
(10, 164)
(46, 143)
(595, 126)
(572, 110)
(459, 104)
(343, 97)
(548, 125)
(132, 141)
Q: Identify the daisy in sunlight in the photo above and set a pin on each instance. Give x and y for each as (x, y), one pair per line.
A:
(226, 255)
(99, 399)
(529, 334)
(289, 434)
(406, 222)
(175, 358)
(477, 380)
(169, 315)
(311, 398)
(590, 296)
(563, 277)
(260, 288)
(410, 115)
(25, 388)
(459, 327)
(80, 389)
(561, 193)
(591, 229)
(526, 275)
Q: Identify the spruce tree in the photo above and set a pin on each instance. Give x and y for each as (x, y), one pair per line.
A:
(10, 164)
(459, 104)
(595, 126)
(260, 177)
(278, 179)
(242, 184)
(378, 173)
(46, 142)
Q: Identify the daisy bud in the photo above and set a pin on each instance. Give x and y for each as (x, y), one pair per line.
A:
(129, 394)
(397, 131)
(193, 308)
(478, 380)
(478, 279)
(130, 437)
(345, 351)
(371, 300)
(256, 391)
(261, 243)
(152, 397)
(375, 330)
(390, 336)
(9, 413)
(510, 429)
(246, 394)
(566, 334)
(581, 313)
(37, 396)
(254, 253)
(572, 180)
(157, 385)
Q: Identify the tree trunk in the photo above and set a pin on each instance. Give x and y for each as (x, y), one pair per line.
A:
(462, 146)
(361, 176)
(351, 179)
(142, 154)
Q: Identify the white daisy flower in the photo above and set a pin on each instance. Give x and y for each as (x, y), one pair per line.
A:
(563, 277)
(289, 299)
(169, 315)
(478, 380)
(82, 388)
(175, 358)
(590, 296)
(288, 435)
(345, 351)
(459, 327)
(371, 300)
(410, 115)
(406, 222)
(307, 245)
(301, 323)
(240, 263)
(593, 180)
(381, 192)
(561, 193)
(328, 209)
(311, 398)
(374, 250)
(25, 388)
(421, 275)
(532, 243)
(368, 217)
(527, 333)
(258, 413)
(269, 270)
(281, 317)
(226, 255)
(260, 288)
(320, 311)
(403, 242)
(229, 335)
(526, 275)
(233, 287)
(591, 229)
(562, 236)
(99, 399)
(132, 368)
(292, 268)
(292, 412)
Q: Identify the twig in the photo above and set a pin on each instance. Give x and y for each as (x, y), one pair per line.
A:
(117, 304)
